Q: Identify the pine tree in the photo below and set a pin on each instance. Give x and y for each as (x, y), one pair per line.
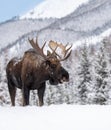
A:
(84, 76)
(101, 77)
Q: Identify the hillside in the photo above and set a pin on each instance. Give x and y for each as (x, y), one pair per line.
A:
(12, 30)
(88, 20)
(53, 9)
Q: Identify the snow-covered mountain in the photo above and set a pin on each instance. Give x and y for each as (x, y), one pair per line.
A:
(53, 8)
(88, 20)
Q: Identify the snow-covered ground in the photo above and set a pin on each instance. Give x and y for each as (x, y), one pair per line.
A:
(53, 8)
(56, 117)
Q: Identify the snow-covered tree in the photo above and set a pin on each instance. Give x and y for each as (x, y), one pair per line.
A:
(102, 75)
(84, 80)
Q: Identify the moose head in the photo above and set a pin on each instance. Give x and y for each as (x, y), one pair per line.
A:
(53, 60)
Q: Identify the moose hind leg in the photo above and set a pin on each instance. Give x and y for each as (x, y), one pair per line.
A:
(12, 92)
(41, 91)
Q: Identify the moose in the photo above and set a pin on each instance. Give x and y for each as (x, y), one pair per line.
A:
(33, 70)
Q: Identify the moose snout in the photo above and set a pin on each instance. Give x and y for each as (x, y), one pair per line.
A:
(65, 79)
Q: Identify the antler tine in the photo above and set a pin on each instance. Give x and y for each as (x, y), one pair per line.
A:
(66, 52)
(67, 49)
(54, 51)
(31, 41)
(36, 40)
(44, 45)
(55, 47)
(62, 59)
(66, 56)
(34, 44)
(36, 47)
(66, 45)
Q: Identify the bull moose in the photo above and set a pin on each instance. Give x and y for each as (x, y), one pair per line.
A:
(33, 70)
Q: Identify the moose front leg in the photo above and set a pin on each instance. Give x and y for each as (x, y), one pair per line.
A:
(41, 91)
(25, 96)
(12, 92)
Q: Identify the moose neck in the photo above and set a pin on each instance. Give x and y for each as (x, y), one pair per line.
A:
(41, 74)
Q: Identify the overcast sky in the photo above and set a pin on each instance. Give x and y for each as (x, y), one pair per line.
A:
(11, 8)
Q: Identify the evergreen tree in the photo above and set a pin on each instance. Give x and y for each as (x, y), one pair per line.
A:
(101, 86)
(84, 76)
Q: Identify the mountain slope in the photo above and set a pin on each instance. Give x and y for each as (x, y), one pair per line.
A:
(88, 20)
(53, 8)
(13, 30)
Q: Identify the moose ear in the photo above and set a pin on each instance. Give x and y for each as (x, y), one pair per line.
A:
(48, 53)
(48, 63)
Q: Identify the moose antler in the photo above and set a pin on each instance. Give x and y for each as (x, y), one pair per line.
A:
(40, 50)
(66, 51)
(36, 46)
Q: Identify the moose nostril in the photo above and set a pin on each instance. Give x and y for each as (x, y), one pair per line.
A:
(52, 73)
(65, 79)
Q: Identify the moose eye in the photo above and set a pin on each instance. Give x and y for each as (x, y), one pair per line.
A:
(53, 66)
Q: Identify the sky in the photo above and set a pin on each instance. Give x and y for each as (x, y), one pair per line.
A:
(11, 8)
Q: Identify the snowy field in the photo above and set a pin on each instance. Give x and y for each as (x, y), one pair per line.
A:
(56, 117)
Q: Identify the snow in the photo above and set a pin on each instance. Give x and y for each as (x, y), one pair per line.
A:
(56, 117)
(93, 39)
(53, 8)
